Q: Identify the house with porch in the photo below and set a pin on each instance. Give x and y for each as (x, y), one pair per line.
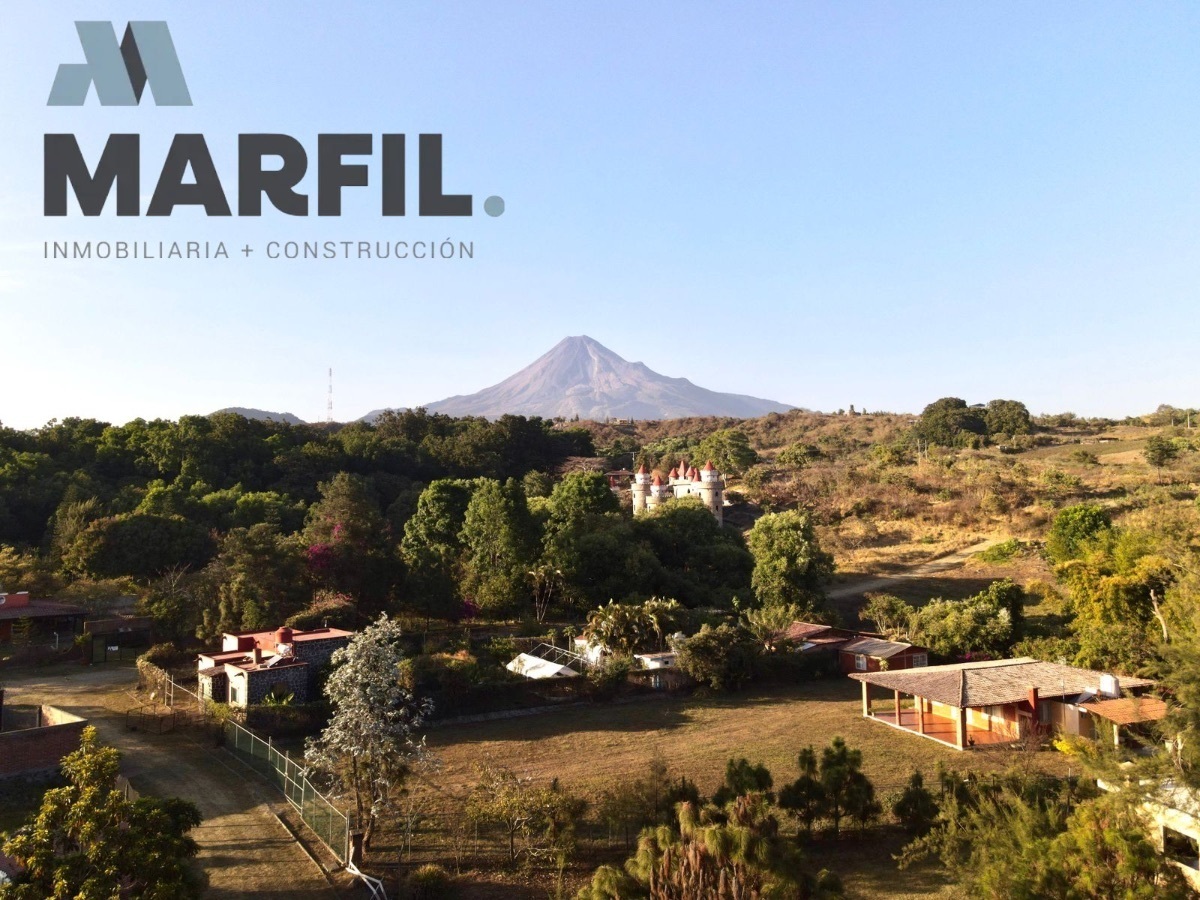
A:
(976, 704)
(24, 618)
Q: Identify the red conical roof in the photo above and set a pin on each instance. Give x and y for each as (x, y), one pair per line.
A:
(695, 475)
(674, 473)
(657, 480)
(709, 467)
(642, 470)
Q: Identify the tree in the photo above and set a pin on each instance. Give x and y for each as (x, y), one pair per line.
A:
(499, 541)
(788, 562)
(1007, 417)
(138, 546)
(847, 791)
(915, 808)
(956, 628)
(88, 841)
(432, 549)
(889, 614)
(729, 450)
(1159, 452)
(625, 628)
(349, 543)
(949, 422)
(768, 623)
(1073, 527)
(371, 739)
(743, 856)
(741, 779)
(259, 580)
(722, 657)
(806, 795)
(543, 816)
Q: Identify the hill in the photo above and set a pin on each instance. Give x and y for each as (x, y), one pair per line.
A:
(581, 377)
(262, 415)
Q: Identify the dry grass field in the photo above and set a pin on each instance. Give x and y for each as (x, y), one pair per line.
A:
(592, 748)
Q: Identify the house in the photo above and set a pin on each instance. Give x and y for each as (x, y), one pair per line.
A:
(874, 654)
(20, 615)
(252, 665)
(1000, 701)
(1173, 814)
(853, 651)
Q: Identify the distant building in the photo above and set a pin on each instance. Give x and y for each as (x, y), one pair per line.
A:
(255, 664)
(855, 651)
(650, 490)
(20, 615)
(1001, 701)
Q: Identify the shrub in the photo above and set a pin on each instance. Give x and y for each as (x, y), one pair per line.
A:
(431, 882)
(166, 656)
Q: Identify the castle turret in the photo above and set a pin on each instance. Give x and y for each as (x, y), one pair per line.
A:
(710, 487)
(640, 489)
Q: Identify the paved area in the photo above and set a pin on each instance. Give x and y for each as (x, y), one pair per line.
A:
(244, 849)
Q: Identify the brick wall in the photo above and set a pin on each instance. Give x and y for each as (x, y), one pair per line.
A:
(40, 749)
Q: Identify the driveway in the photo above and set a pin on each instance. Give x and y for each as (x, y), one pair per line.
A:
(244, 849)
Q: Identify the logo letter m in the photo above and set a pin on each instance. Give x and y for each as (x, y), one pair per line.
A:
(120, 71)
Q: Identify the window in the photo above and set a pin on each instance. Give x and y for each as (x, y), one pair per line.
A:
(860, 662)
(1181, 848)
(233, 693)
(920, 659)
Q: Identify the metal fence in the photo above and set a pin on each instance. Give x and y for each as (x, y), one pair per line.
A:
(328, 822)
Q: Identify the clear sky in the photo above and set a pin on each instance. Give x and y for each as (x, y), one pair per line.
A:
(824, 204)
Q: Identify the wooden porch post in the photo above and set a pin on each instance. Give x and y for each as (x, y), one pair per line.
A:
(899, 721)
(960, 729)
(920, 701)
(866, 700)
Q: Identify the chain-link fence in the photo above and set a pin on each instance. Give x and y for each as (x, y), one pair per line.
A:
(328, 822)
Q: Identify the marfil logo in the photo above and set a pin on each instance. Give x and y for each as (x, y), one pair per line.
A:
(121, 71)
(269, 166)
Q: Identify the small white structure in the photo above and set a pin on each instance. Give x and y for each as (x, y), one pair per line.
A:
(537, 668)
(663, 660)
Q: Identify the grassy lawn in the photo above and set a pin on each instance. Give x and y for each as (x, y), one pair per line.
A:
(591, 748)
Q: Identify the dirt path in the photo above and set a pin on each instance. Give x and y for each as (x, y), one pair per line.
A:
(860, 586)
(244, 849)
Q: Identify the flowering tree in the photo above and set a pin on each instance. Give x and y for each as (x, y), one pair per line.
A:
(370, 742)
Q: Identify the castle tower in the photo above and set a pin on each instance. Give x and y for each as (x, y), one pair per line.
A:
(711, 490)
(659, 492)
(640, 489)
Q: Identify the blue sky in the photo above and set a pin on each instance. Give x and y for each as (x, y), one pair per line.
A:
(825, 204)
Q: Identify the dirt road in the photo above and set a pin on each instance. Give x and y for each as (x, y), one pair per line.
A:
(856, 588)
(244, 849)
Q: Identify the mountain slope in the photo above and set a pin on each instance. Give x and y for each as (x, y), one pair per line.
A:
(581, 377)
(262, 415)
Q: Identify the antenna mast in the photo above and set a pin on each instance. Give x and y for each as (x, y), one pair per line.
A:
(329, 402)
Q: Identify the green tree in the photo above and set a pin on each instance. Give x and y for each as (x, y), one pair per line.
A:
(722, 657)
(1073, 527)
(88, 841)
(499, 542)
(889, 614)
(848, 792)
(805, 797)
(915, 808)
(1007, 417)
(741, 779)
(789, 564)
(729, 450)
(1159, 452)
(432, 548)
(349, 543)
(743, 856)
(543, 816)
(139, 546)
(949, 422)
(259, 580)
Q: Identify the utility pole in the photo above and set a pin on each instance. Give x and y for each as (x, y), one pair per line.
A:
(329, 401)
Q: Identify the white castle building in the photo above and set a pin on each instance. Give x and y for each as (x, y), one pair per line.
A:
(683, 481)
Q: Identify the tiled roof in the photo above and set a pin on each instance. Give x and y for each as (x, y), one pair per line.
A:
(1128, 710)
(876, 647)
(40, 609)
(993, 682)
(805, 631)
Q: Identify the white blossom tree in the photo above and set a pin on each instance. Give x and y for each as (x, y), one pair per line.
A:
(371, 740)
